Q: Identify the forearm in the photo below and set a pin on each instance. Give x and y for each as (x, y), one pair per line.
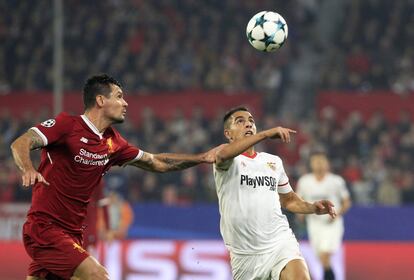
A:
(301, 207)
(21, 148)
(295, 204)
(168, 162)
(172, 162)
(235, 148)
(346, 204)
(21, 153)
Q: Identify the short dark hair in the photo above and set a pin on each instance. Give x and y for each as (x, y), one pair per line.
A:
(95, 85)
(228, 114)
(318, 152)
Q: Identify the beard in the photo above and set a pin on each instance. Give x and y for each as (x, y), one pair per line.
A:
(118, 120)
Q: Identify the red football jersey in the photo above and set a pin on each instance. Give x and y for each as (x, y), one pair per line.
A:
(73, 161)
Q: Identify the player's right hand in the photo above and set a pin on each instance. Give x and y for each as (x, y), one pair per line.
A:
(31, 176)
(325, 207)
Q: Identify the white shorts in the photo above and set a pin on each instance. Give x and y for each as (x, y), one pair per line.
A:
(265, 266)
(325, 238)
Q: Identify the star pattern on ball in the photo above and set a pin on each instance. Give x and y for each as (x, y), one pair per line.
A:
(268, 40)
(249, 36)
(281, 25)
(260, 21)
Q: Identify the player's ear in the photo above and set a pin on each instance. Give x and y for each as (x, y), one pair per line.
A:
(227, 134)
(100, 100)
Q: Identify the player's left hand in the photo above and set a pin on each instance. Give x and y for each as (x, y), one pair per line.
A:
(325, 207)
(281, 133)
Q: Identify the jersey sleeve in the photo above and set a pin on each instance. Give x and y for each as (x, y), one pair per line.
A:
(127, 153)
(224, 166)
(284, 185)
(53, 130)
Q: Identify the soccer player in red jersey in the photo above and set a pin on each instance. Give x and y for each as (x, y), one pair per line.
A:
(76, 152)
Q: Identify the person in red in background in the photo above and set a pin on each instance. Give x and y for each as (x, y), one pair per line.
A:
(119, 218)
(76, 152)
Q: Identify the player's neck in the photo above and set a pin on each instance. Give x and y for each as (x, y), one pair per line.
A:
(100, 123)
(249, 152)
(319, 175)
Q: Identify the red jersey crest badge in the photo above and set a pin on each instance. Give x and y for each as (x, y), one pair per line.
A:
(110, 145)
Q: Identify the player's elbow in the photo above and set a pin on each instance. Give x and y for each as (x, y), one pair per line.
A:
(221, 157)
(218, 159)
(14, 146)
(22, 142)
(287, 202)
(346, 205)
(161, 169)
(284, 204)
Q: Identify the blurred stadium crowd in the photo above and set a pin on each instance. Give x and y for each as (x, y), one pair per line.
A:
(187, 44)
(201, 44)
(375, 157)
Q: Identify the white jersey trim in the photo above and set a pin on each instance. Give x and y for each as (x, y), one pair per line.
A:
(92, 126)
(138, 157)
(44, 138)
(284, 188)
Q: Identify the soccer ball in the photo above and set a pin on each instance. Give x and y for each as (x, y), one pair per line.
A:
(267, 31)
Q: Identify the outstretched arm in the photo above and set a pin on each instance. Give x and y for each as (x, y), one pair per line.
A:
(171, 162)
(21, 148)
(233, 149)
(345, 205)
(292, 202)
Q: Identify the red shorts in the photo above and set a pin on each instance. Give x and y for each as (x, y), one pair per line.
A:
(55, 253)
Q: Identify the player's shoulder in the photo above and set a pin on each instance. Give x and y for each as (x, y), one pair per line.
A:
(63, 119)
(305, 178)
(335, 177)
(66, 117)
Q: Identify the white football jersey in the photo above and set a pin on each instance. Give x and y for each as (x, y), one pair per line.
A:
(252, 221)
(331, 187)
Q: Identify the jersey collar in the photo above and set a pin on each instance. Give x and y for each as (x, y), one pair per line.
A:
(91, 126)
(249, 156)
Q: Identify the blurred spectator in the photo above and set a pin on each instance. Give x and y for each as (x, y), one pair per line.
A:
(169, 195)
(407, 188)
(150, 190)
(352, 171)
(388, 194)
(120, 217)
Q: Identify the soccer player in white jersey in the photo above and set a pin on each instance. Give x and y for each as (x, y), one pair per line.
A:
(325, 234)
(252, 187)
